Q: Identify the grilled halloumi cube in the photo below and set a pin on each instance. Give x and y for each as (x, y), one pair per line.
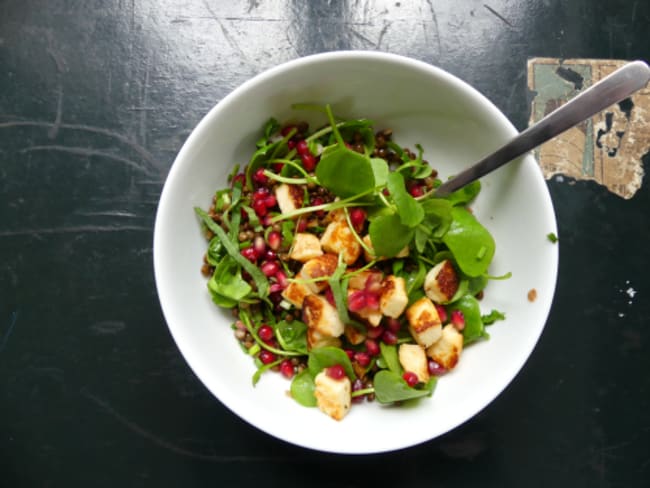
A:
(353, 335)
(393, 299)
(424, 322)
(315, 339)
(305, 247)
(333, 396)
(413, 358)
(370, 316)
(370, 256)
(289, 197)
(319, 267)
(319, 315)
(339, 239)
(441, 282)
(446, 351)
(359, 280)
(295, 293)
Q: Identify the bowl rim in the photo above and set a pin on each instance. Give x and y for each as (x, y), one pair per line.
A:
(204, 124)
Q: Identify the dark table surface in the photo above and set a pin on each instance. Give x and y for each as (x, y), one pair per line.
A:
(96, 99)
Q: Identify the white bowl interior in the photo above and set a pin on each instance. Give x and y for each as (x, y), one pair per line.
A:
(456, 126)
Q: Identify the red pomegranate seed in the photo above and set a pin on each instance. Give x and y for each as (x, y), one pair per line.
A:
(270, 201)
(302, 225)
(291, 143)
(249, 253)
(274, 239)
(266, 356)
(372, 347)
(270, 268)
(393, 324)
(286, 368)
(357, 218)
(373, 283)
(356, 386)
(416, 191)
(266, 220)
(350, 353)
(389, 337)
(259, 177)
(281, 279)
(302, 147)
(457, 319)
(372, 301)
(261, 193)
(411, 378)
(330, 296)
(239, 178)
(336, 372)
(270, 255)
(363, 358)
(265, 332)
(308, 161)
(442, 313)
(259, 245)
(435, 369)
(275, 288)
(260, 208)
(286, 129)
(357, 301)
(277, 167)
(374, 332)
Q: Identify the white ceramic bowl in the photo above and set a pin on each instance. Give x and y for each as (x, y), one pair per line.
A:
(456, 125)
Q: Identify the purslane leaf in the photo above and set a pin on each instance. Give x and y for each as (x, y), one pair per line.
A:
(388, 235)
(409, 210)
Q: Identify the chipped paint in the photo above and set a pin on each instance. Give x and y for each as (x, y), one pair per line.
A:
(609, 147)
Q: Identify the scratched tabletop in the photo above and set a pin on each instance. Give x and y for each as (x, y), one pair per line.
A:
(96, 99)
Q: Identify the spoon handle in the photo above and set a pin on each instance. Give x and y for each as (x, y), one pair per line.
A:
(612, 89)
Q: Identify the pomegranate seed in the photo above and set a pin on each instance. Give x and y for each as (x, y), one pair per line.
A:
(249, 253)
(356, 386)
(416, 191)
(373, 283)
(270, 268)
(336, 372)
(261, 193)
(389, 337)
(411, 378)
(363, 358)
(442, 313)
(457, 319)
(302, 147)
(308, 161)
(277, 167)
(357, 301)
(259, 177)
(317, 201)
(435, 369)
(374, 332)
(372, 301)
(265, 332)
(281, 279)
(270, 255)
(372, 347)
(274, 239)
(393, 324)
(260, 208)
(291, 143)
(350, 353)
(286, 368)
(302, 225)
(270, 201)
(259, 245)
(276, 287)
(330, 297)
(266, 356)
(266, 220)
(239, 178)
(357, 218)
(286, 129)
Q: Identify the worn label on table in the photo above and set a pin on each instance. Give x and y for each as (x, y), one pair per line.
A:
(609, 147)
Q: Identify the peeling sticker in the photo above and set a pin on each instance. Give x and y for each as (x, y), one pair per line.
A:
(609, 147)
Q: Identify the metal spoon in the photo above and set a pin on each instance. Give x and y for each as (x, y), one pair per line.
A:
(612, 89)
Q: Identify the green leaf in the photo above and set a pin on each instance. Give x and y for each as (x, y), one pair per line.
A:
(380, 170)
(391, 387)
(302, 389)
(552, 237)
(292, 336)
(263, 369)
(390, 357)
(270, 128)
(492, 317)
(227, 282)
(471, 244)
(464, 195)
(409, 210)
(474, 327)
(260, 280)
(389, 235)
(324, 357)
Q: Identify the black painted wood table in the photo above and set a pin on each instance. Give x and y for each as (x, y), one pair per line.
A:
(96, 99)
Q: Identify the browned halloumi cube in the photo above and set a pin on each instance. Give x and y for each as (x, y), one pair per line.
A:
(339, 239)
(319, 315)
(319, 267)
(413, 358)
(305, 247)
(371, 317)
(295, 293)
(289, 197)
(446, 351)
(353, 335)
(424, 322)
(358, 280)
(370, 256)
(315, 339)
(441, 282)
(393, 299)
(333, 396)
